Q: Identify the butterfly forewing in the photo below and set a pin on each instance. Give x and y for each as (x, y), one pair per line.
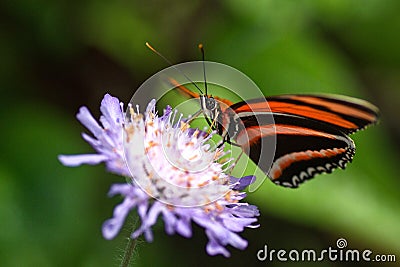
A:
(344, 113)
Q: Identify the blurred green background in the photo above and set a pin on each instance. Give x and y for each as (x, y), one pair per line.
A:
(59, 55)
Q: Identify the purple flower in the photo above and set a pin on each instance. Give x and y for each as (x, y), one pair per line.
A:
(175, 173)
(107, 139)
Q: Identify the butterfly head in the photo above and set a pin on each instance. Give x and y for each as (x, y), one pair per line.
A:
(210, 107)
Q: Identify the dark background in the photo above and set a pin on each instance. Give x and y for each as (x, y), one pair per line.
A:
(59, 55)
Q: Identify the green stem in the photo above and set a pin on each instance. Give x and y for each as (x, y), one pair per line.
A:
(129, 249)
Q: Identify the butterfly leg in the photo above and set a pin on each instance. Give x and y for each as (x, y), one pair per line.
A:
(194, 116)
(236, 161)
(225, 138)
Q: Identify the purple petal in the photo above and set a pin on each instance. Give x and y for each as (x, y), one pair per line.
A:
(142, 210)
(149, 221)
(112, 226)
(122, 189)
(237, 224)
(154, 211)
(167, 112)
(183, 225)
(236, 241)
(111, 110)
(184, 228)
(224, 237)
(219, 232)
(118, 167)
(92, 141)
(202, 219)
(243, 182)
(169, 221)
(245, 211)
(86, 118)
(148, 235)
(214, 248)
(76, 160)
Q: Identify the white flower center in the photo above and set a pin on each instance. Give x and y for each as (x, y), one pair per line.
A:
(172, 165)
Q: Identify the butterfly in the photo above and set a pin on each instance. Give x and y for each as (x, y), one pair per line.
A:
(311, 132)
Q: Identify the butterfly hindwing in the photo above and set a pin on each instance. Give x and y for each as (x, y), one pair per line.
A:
(303, 149)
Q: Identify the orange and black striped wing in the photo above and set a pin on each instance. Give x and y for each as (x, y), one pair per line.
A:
(347, 114)
(303, 147)
(309, 138)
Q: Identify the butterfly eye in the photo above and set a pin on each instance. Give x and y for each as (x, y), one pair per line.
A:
(211, 104)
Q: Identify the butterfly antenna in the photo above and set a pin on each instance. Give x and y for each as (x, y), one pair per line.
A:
(204, 67)
(170, 63)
